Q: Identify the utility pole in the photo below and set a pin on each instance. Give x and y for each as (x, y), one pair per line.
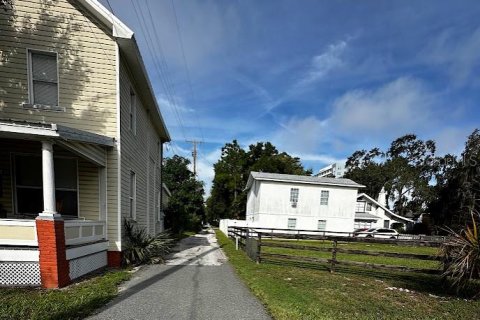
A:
(194, 154)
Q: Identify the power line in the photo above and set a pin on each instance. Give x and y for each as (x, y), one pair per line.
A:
(158, 66)
(164, 66)
(110, 6)
(185, 63)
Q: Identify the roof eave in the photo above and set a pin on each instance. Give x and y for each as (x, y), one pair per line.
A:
(311, 182)
(383, 207)
(126, 41)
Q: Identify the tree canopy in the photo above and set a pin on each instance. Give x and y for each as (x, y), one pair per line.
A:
(185, 209)
(228, 197)
(417, 180)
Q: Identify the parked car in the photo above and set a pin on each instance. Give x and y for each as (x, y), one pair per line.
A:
(357, 231)
(380, 233)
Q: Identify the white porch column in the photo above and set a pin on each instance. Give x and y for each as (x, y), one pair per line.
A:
(48, 174)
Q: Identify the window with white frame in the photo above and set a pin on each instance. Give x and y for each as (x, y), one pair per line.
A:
(43, 78)
(321, 225)
(159, 207)
(324, 197)
(133, 112)
(29, 188)
(369, 206)
(360, 207)
(294, 196)
(360, 224)
(292, 223)
(133, 195)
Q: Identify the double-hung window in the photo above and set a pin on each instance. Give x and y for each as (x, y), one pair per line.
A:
(133, 196)
(43, 79)
(294, 196)
(360, 207)
(321, 226)
(159, 207)
(133, 112)
(324, 197)
(292, 223)
(369, 206)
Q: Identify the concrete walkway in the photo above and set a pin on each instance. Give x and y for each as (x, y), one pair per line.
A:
(195, 283)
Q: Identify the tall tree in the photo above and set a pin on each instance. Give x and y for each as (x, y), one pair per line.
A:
(185, 210)
(410, 167)
(404, 170)
(228, 197)
(458, 190)
(368, 168)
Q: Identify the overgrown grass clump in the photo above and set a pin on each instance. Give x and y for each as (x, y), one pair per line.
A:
(292, 292)
(74, 302)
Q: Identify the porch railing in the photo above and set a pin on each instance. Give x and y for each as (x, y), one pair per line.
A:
(16, 232)
(84, 231)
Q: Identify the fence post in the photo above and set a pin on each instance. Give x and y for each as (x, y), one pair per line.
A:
(236, 242)
(334, 256)
(259, 247)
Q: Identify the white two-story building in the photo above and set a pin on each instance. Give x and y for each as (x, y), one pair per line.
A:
(301, 202)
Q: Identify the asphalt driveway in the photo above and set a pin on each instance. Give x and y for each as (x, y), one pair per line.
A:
(197, 282)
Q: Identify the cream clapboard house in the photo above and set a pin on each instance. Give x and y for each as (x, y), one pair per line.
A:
(81, 139)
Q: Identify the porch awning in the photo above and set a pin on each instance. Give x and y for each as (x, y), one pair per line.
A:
(86, 144)
(365, 216)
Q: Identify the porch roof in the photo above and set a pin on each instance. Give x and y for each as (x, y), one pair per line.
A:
(365, 216)
(30, 130)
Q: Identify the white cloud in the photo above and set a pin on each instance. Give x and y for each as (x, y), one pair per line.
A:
(452, 140)
(398, 107)
(300, 135)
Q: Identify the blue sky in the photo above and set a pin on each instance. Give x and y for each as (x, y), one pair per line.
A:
(319, 79)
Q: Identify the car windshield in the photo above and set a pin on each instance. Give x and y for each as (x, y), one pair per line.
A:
(372, 229)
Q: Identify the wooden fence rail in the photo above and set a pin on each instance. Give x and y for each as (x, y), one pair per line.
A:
(254, 249)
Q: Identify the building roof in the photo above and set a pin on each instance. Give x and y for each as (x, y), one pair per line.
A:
(20, 129)
(365, 216)
(290, 178)
(125, 39)
(388, 211)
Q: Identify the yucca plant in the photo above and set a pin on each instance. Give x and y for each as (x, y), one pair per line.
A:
(143, 248)
(461, 255)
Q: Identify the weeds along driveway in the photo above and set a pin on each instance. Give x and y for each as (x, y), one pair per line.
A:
(195, 283)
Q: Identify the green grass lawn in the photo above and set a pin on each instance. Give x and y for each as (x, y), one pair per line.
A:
(412, 263)
(291, 292)
(74, 302)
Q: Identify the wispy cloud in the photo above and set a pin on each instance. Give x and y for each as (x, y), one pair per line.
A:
(457, 53)
(397, 107)
(322, 64)
(300, 135)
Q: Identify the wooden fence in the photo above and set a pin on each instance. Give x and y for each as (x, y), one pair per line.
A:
(252, 240)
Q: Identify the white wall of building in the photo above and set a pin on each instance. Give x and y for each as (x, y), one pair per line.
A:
(269, 206)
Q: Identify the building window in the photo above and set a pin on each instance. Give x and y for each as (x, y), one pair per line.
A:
(43, 78)
(133, 112)
(369, 206)
(386, 223)
(29, 187)
(321, 226)
(324, 197)
(292, 223)
(360, 206)
(133, 195)
(159, 207)
(361, 224)
(294, 197)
